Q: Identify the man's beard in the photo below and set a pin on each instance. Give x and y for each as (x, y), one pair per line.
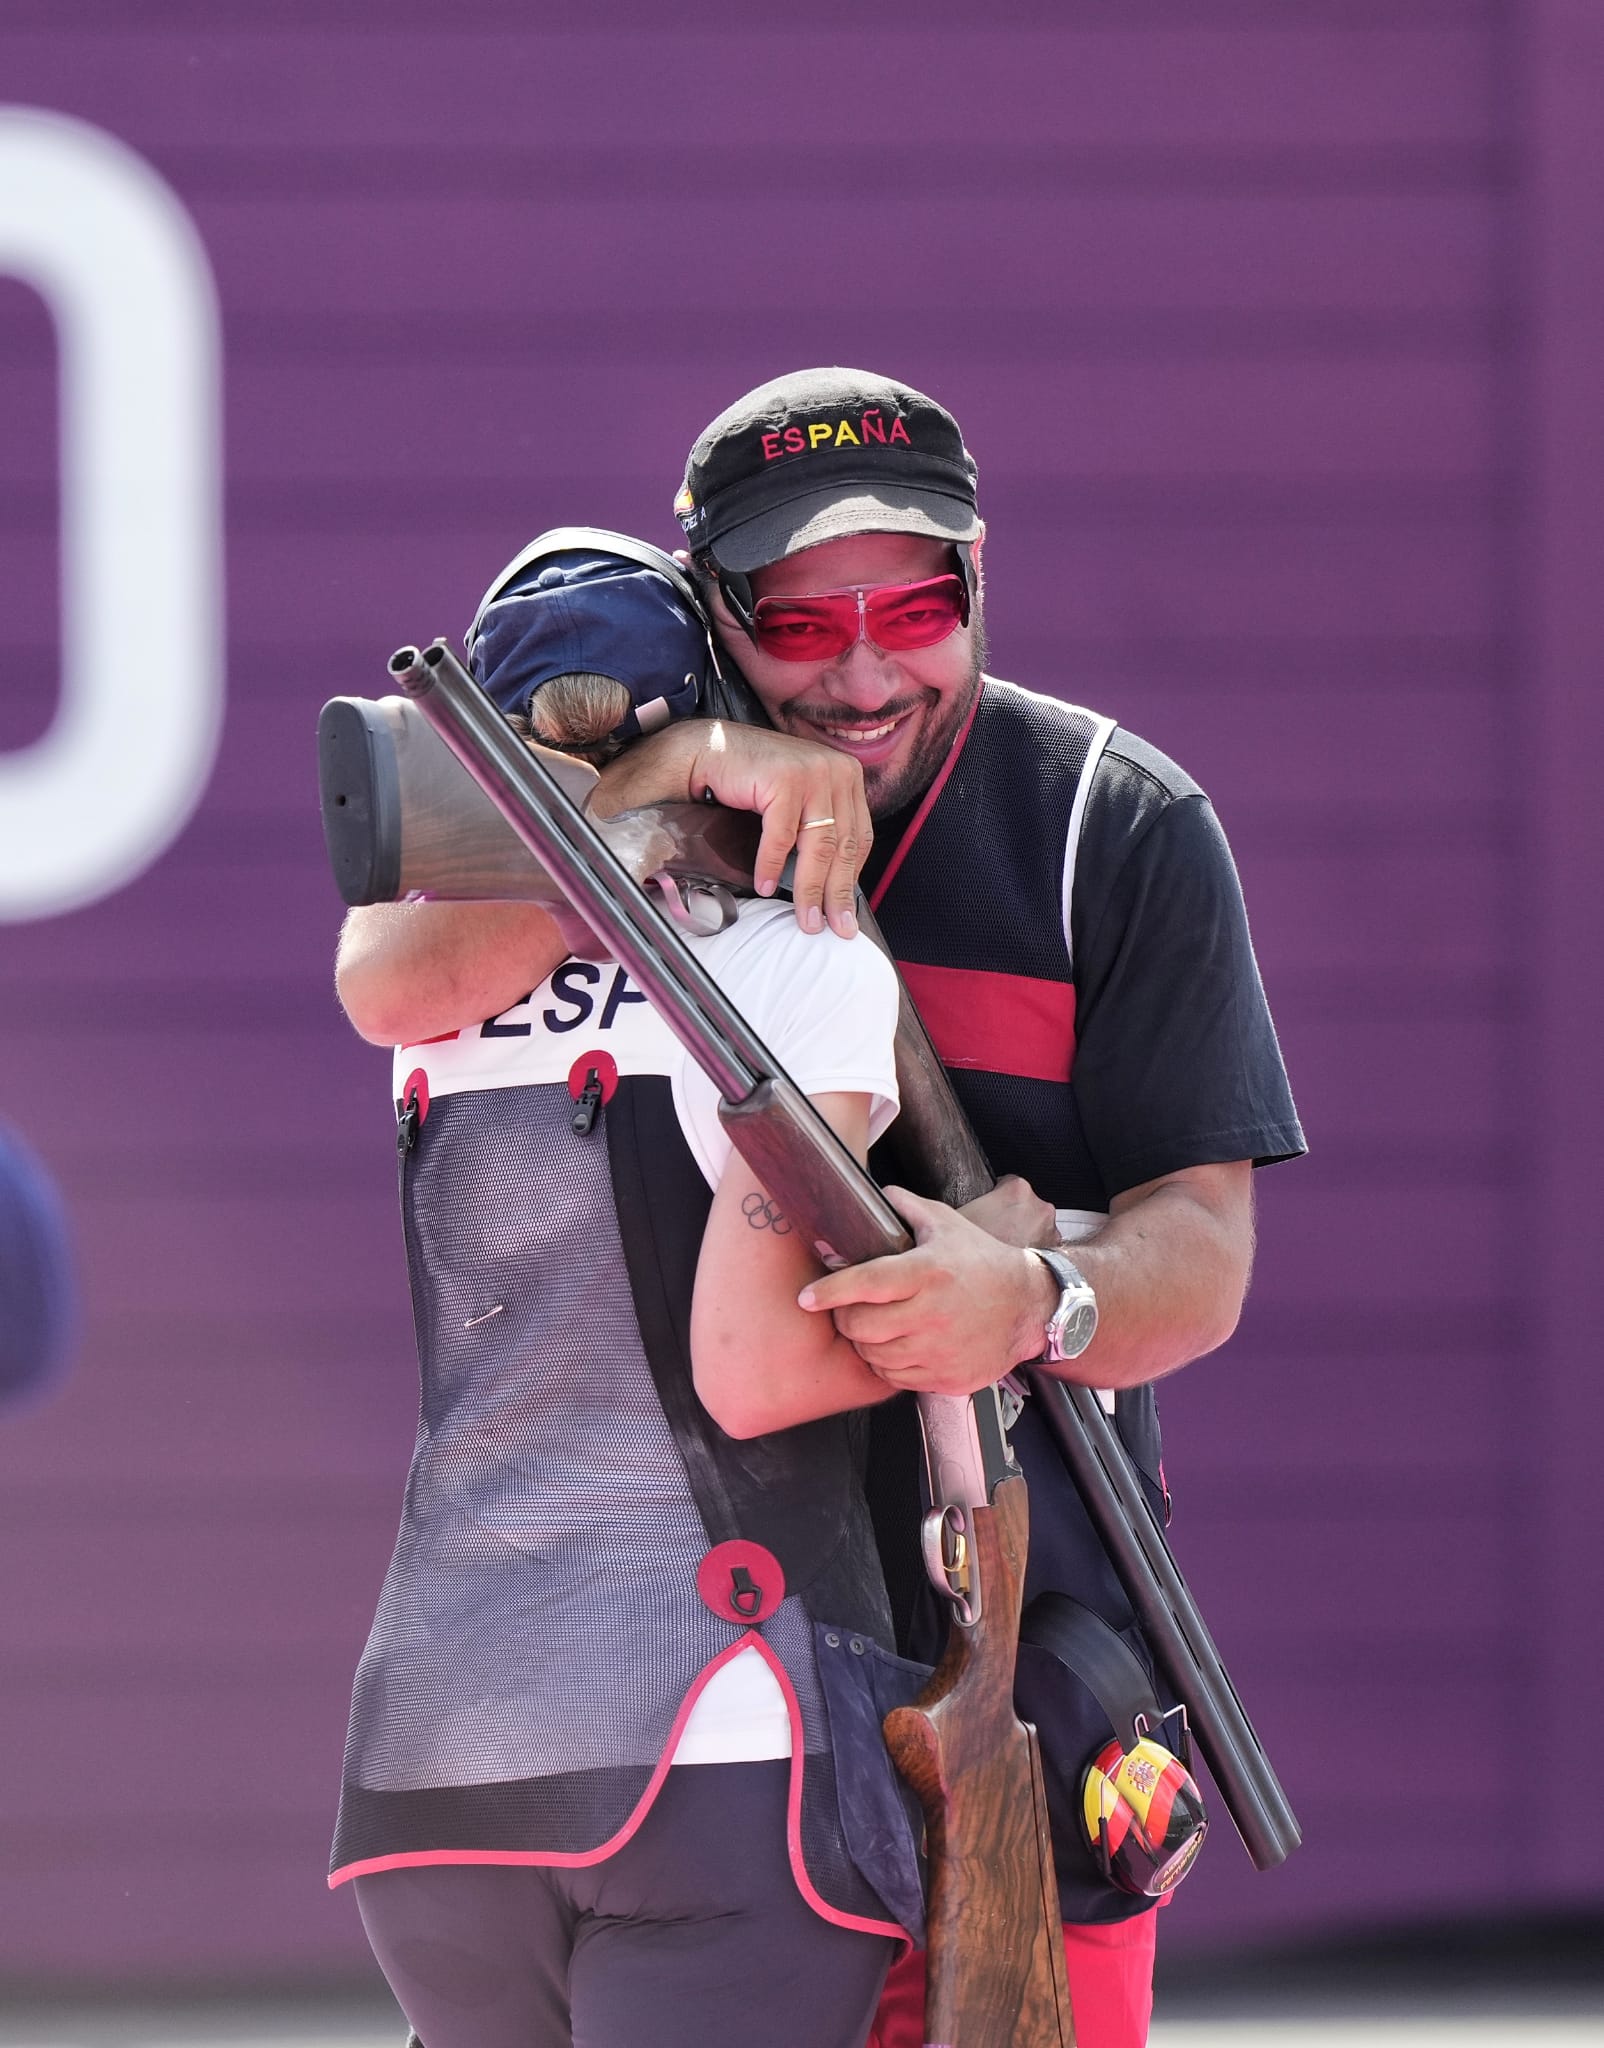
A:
(900, 783)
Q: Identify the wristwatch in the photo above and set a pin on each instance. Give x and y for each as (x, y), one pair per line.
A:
(1072, 1325)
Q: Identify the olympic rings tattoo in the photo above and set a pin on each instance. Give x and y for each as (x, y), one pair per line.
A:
(761, 1214)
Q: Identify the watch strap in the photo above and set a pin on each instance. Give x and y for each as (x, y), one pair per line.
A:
(1064, 1270)
(1076, 1301)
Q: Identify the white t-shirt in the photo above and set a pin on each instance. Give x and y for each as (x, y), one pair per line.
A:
(829, 1017)
(826, 1008)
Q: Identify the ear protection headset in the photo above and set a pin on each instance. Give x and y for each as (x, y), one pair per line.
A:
(1140, 1808)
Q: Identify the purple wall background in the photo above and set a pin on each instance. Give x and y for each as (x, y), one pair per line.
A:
(1275, 332)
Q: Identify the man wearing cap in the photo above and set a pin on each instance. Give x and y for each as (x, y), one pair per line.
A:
(1065, 910)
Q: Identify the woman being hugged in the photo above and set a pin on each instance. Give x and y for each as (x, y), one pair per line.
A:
(633, 1638)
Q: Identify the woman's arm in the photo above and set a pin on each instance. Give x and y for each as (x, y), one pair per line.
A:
(409, 971)
(760, 1362)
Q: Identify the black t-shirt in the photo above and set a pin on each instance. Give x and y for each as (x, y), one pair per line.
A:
(1176, 1059)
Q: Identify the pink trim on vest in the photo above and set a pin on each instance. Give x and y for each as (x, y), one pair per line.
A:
(565, 1859)
(793, 1821)
(416, 1859)
(905, 844)
(1002, 1023)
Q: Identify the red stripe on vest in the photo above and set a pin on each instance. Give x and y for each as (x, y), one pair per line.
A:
(1001, 1023)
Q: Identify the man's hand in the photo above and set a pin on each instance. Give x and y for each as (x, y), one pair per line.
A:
(791, 783)
(1170, 1268)
(950, 1316)
(1014, 1213)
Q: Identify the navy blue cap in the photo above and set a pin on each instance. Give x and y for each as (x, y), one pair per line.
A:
(587, 610)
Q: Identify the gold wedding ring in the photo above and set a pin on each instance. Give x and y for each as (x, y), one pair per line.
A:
(808, 824)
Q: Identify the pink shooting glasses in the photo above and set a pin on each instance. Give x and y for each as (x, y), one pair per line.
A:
(895, 617)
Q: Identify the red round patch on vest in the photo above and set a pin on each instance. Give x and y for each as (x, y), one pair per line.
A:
(741, 1582)
(602, 1065)
(416, 1089)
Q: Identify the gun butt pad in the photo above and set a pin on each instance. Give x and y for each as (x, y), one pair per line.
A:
(402, 815)
(360, 790)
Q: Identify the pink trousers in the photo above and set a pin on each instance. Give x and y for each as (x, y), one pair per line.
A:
(1110, 1988)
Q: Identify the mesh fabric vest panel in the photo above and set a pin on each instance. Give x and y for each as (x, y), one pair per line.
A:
(540, 1627)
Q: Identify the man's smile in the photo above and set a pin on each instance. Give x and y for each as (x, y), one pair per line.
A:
(869, 740)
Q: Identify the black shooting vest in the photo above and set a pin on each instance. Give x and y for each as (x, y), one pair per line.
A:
(975, 905)
(580, 1543)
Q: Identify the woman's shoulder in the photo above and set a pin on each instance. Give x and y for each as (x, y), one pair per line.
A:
(765, 941)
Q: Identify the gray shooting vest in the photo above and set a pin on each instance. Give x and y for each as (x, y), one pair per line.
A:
(579, 1541)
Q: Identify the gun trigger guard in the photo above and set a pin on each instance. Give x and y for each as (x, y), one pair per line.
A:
(699, 907)
(944, 1539)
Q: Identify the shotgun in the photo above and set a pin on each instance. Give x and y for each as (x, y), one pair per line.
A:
(400, 813)
(995, 1956)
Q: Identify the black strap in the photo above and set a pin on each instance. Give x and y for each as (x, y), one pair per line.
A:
(1098, 1656)
(791, 1491)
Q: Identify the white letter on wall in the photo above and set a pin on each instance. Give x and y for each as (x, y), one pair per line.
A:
(117, 260)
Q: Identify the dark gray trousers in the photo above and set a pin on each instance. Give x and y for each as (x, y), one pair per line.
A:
(693, 1935)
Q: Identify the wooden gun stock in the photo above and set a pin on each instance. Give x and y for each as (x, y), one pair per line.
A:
(402, 816)
(994, 1968)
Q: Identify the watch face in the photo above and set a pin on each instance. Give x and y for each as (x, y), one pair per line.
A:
(1071, 1330)
(1079, 1329)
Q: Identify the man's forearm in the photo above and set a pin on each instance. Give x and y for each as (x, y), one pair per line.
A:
(408, 971)
(1170, 1269)
(809, 797)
